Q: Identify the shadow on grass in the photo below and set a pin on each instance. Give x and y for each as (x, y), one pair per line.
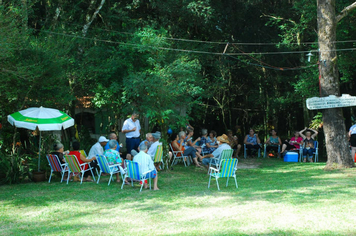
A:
(274, 181)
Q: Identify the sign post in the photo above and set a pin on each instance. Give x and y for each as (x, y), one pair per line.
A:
(331, 101)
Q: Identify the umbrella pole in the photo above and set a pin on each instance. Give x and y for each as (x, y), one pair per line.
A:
(39, 153)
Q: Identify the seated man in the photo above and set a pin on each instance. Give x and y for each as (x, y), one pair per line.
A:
(146, 164)
(113, 136)
(223, 142)
(148, 141)
(152, 150)
(97, 148)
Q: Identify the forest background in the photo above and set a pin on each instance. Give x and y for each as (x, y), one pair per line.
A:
(222, 63)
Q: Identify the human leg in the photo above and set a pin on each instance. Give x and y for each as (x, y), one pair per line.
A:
(353, 151)
(305, 152)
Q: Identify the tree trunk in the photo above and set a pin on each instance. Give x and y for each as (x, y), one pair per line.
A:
(337, 147)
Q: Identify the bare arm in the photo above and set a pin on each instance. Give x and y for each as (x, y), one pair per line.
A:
(245, 140)
(258, 139)
(315, 133)
(128, 130)
(301, 133)
(279, 141)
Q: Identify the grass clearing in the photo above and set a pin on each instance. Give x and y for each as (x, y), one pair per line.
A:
(276, 198)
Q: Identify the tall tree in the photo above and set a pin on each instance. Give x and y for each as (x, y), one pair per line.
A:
(334, 126)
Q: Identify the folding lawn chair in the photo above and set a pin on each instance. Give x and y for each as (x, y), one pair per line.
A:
(56, 166)
(133, 172)
(75, 167)
(109, 169)
(225, 154)
(226, 169)
(158, 157)
(177, 155)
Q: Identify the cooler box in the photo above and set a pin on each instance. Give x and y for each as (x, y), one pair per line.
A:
(291, 157)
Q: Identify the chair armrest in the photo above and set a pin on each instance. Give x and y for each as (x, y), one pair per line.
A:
(149, 171)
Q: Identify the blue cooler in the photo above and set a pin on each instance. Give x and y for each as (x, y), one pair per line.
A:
(291, 157)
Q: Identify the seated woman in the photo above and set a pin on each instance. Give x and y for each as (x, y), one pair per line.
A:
(81, 159)
(178, 144)
(113, 156)
(252, 142)
(212, 141)
(272, 142)
(59, 151)
(204, 144)
(294, 143)
(234, 143)
(309, 148)
(190, 142)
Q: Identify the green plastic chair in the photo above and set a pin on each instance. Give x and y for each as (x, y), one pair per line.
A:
(226, 169)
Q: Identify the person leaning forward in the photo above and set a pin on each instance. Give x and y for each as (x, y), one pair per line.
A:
(223, 142)
(131, 128)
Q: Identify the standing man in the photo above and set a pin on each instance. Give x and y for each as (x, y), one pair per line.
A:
(131, 128)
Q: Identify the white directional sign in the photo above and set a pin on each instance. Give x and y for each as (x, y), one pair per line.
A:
(331, 102)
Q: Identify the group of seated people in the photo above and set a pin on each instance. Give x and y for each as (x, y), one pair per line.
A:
(110, 149)
(203, 150)
(204, 146)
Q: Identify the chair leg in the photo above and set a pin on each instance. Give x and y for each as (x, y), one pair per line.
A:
(217, 183)
(142, 183)
(245, 153)
(99, 177)
(227, 182)
(81, 178)
(110, 179)
(68, 176)
(92, 174)
(123, 181)
(236, 181)
(209, 181)
(50, 176)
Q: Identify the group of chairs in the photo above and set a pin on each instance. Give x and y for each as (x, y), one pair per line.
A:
(131, 170)
(299, 151)
(223, 167)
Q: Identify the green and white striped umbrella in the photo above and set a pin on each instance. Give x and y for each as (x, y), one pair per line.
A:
(46, 119)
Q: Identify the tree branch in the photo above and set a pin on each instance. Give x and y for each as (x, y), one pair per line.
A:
(345, 12)
(87, 25)
(279, 18)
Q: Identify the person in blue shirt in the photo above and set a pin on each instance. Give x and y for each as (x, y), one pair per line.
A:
(352, 135)
(112, 136)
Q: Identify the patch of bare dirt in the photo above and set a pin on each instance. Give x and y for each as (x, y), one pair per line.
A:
(248, 164)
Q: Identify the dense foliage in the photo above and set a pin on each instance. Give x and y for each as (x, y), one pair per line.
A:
(170, 60)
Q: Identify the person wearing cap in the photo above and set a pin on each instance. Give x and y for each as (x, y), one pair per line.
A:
(131, 128)
(146, 164)
(112, 136)
(223, 142)
(152, 150)
(97, 149)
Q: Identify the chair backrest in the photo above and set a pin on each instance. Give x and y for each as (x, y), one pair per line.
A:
(316, 143)
(133, 169)
(83, 153)
(54, 162)
(228, 167)
(226, 154)
(103, 163)
(176, 153)
(159, 154)
(73, 163)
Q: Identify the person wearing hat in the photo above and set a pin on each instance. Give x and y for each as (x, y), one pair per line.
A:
(223, 142)
(152, 150)
(98, 148)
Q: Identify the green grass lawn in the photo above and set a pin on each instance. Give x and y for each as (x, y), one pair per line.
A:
(275, 198)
